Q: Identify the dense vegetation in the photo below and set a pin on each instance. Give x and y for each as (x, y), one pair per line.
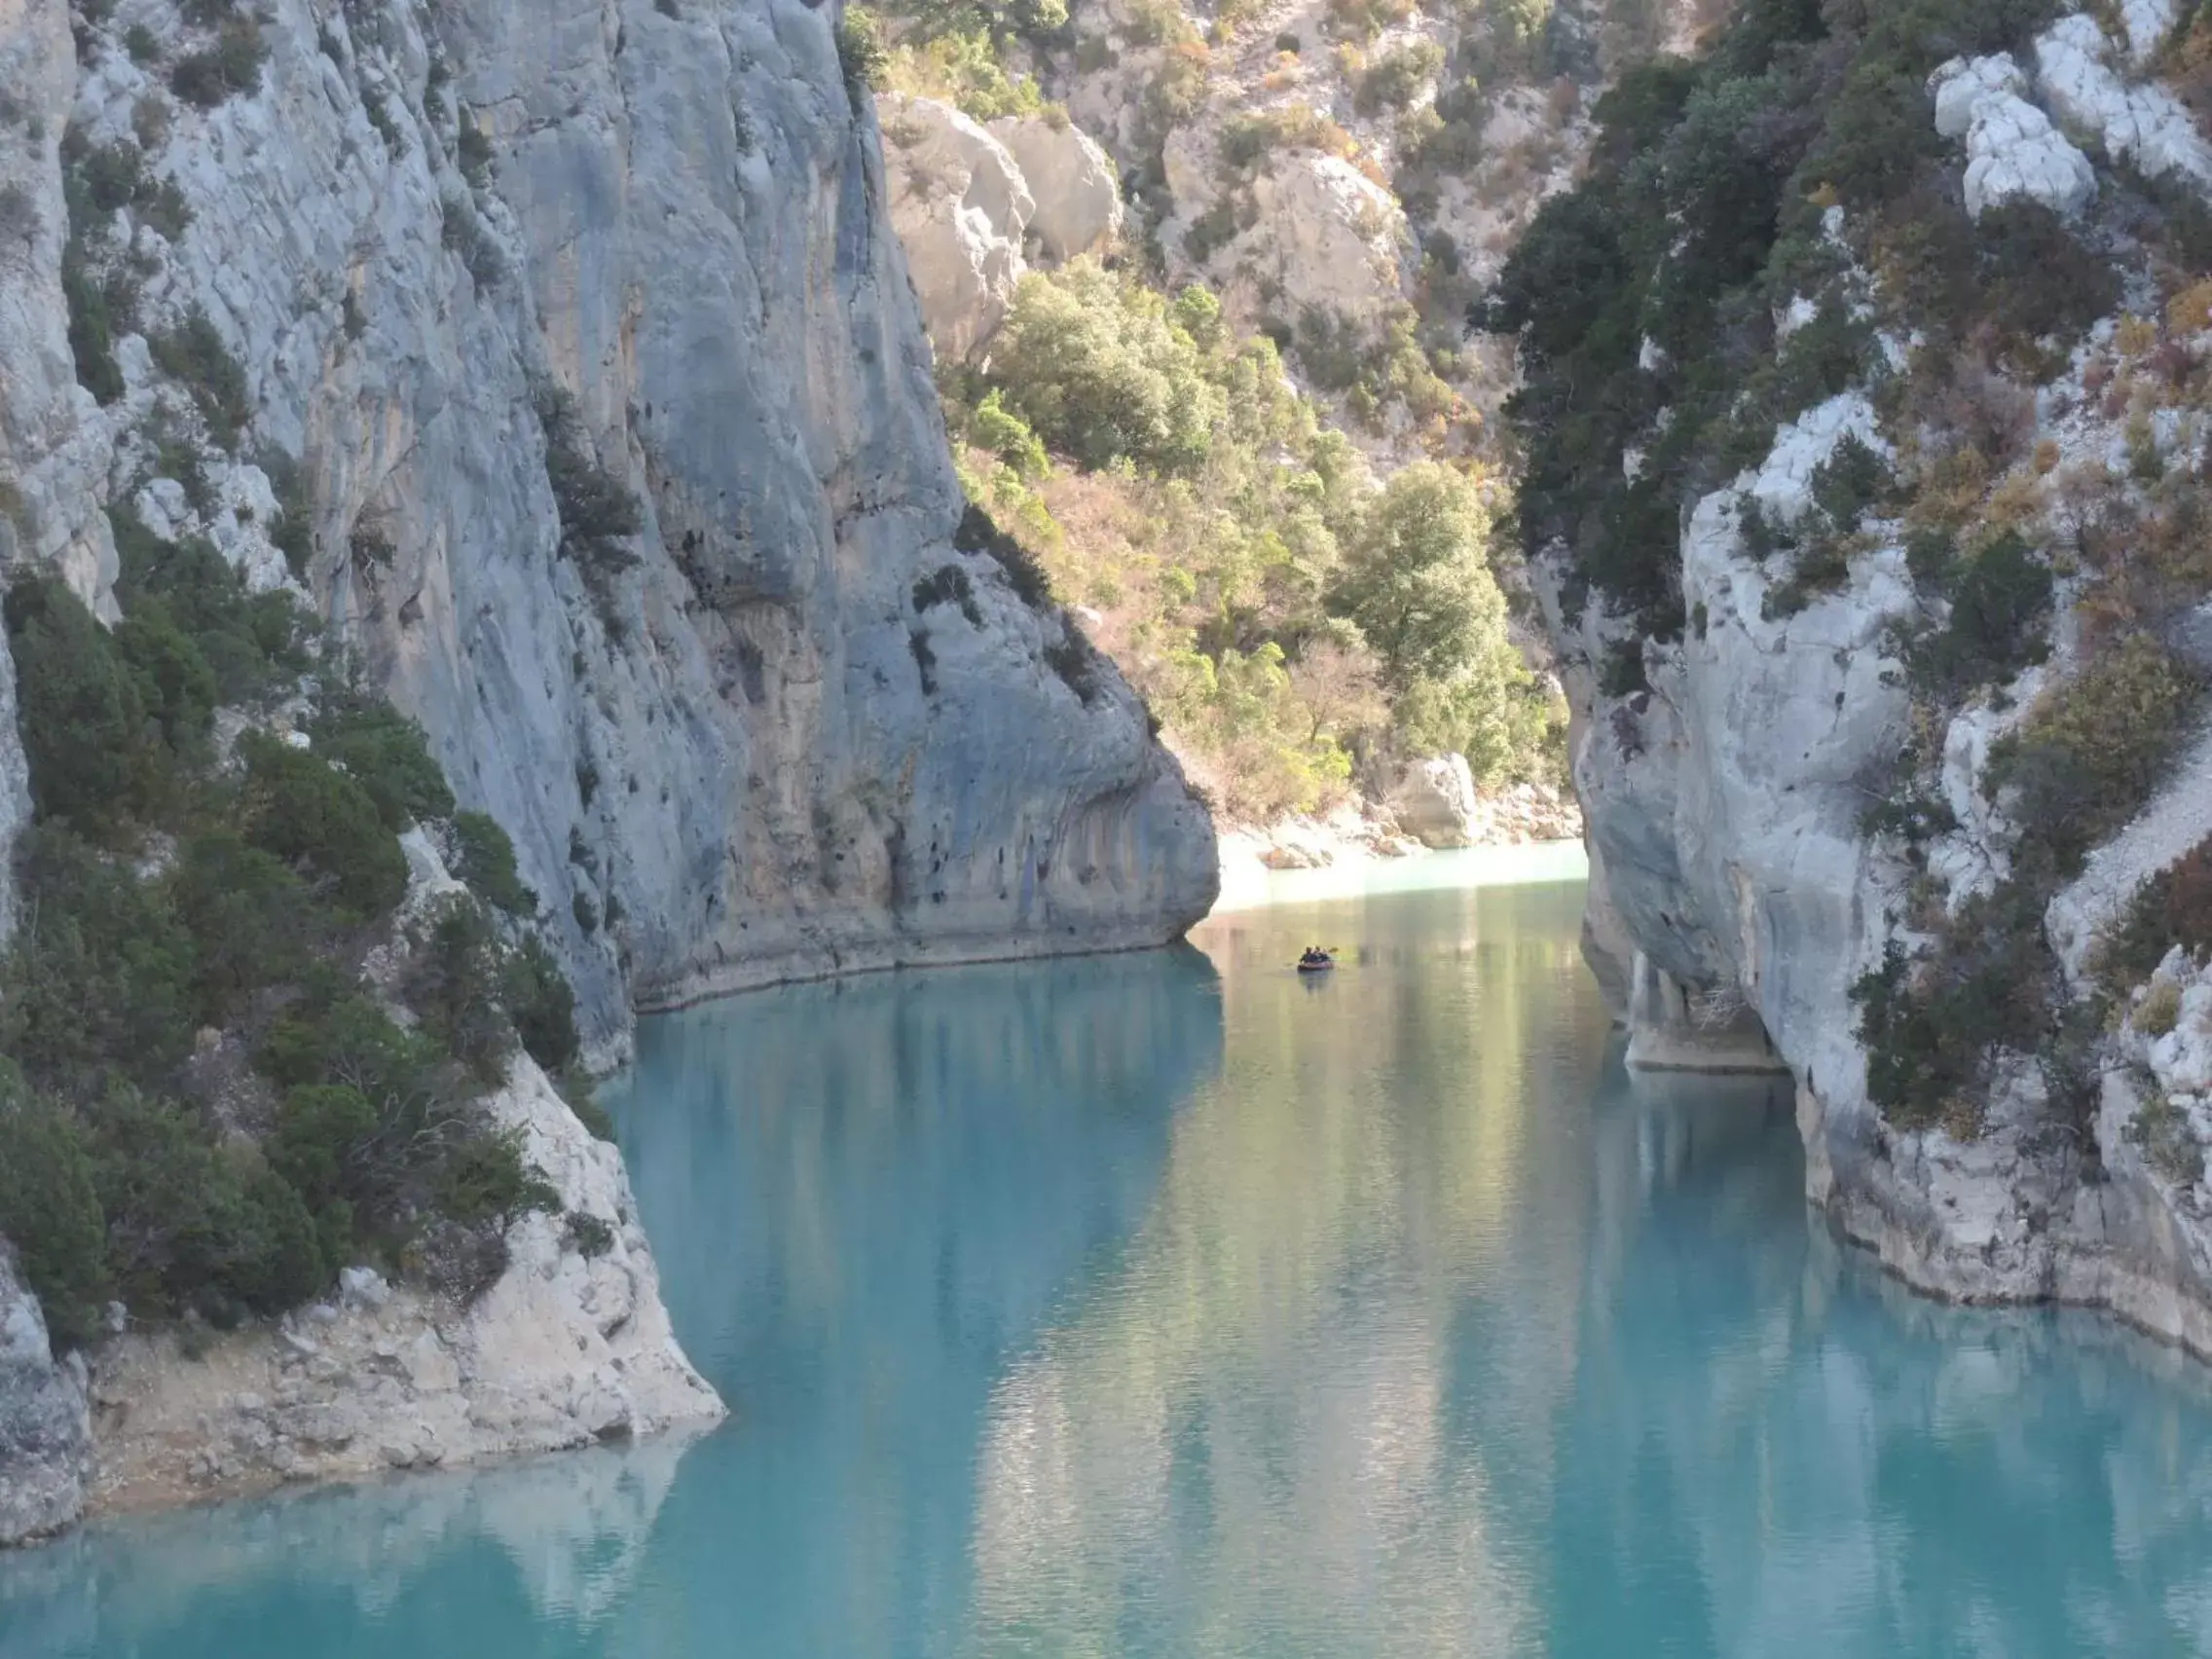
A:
(1656, 284)
(206, 1108)
(1287, 619)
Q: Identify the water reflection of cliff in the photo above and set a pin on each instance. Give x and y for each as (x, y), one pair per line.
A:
(1252, 1436)
(882, 1186)
(1834, 1455)
(556, 1541)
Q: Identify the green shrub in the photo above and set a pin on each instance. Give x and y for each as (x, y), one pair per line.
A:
(321, 821)
(2092, 751)
(1073, 660)
(1933, 1031)
(948, 584)
(485, 858)
(194, 353)
(1009, 437)
(472, 151)
(98, 976)
(105, 179)
(2172, 907)
(78, 706)
(977, 532)
(387, 754)
(176, 685)
(2169, 1144)
(2159, 1011)
(194, 1226)
(205, 78)
(1393, 80)
(1854, 478)
(861, 52)
(588, 1236)
(543, 1006)
(486, 1180)
(453, 985)
(1100, 368)
(598, 512)
(2000, 610)
(1416, 580)
(98, 311)
(253, 644)
(250, 919)
(583, 1100)
(293, 532)
(50, 1210)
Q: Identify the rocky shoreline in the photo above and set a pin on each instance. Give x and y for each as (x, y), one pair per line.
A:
(1437, 808)
(569, 1347)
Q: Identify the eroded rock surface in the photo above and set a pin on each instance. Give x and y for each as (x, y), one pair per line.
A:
(46, 1431)
(570, 1345)
(721, 757)
(962, 208)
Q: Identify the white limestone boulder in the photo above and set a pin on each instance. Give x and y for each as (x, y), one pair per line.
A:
(1329, 237)
(2013, 149)
(1437, 802)
(2146, 124)
(1071, 180)
(961, 209)
(1964, 84)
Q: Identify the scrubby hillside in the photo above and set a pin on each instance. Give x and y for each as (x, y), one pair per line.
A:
(1311, 196)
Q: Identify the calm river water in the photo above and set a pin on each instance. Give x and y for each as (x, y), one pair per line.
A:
(1171, 1304)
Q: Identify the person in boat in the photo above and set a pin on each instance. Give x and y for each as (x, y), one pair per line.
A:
(1315, 957)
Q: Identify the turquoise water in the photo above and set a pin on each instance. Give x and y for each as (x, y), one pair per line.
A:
(1169, 1304)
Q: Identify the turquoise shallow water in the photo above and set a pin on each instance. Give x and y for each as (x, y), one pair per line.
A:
(1168, 1305)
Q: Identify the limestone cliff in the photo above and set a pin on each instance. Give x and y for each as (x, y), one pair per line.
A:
(730, 748)
(1783, 793)
(46, 1436)
(564, 361)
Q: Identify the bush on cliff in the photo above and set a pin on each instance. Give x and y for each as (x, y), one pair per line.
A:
(1654, 284)
(161, 894)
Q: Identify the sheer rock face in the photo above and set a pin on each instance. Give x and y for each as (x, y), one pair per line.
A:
(740, 753)
(46, 1431)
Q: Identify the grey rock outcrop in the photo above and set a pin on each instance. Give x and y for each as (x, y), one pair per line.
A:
(1438, 803)
(1077, 194)
(570, 1345)
(46, 1431)
(1738, 895)
(962, 209)
(2013, 148)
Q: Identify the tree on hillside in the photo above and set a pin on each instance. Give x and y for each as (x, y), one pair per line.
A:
(1417, 583)
(1416, 578)
(1104, 372)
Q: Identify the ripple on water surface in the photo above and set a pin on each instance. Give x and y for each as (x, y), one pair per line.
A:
(1174, 1305)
